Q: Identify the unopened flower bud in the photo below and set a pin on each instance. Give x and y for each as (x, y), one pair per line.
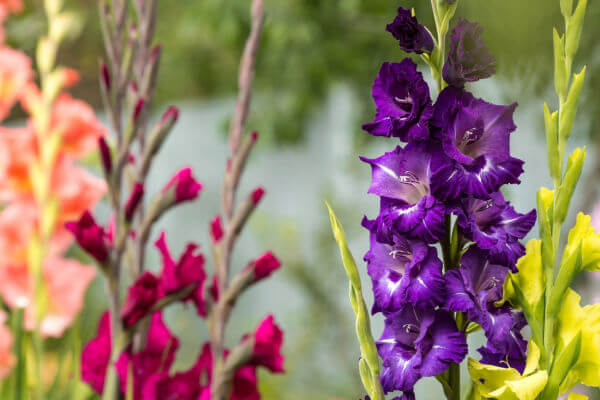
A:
(105, 155)
(105, 77)
(257, 195)
(216, 229)
(90, 236)
(264, 266)
(134, 200)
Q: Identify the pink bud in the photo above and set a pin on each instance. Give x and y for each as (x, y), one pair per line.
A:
(264, 265)
(254, 136)
(139, 107)
(105, 155)
(155, 52)
(268, 339)
(170, 116)
(216, 229)
(257, 195)
(141, 297)
(105, 75)
(134, 200)
(185, 186)
(90, 236)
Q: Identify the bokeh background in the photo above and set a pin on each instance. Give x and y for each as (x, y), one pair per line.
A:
(314, 72)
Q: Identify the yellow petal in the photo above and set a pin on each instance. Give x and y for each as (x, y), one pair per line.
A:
(572, 319)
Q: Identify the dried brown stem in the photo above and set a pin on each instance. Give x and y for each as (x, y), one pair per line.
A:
(234, 218)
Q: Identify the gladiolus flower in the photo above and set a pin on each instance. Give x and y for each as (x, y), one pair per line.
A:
(141, 297)
(268, 339)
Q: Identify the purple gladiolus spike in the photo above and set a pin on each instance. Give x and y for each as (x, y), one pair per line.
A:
(402, 101)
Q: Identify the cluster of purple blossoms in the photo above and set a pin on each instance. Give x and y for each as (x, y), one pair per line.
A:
(455, 160)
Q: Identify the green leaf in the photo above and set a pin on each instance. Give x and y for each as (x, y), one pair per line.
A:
(561, 366)
(551, 124)
(569, 109)
(574, 26)
(569, 182)
(560, 69)
(569, 268)
(566, 7)
(369, 364)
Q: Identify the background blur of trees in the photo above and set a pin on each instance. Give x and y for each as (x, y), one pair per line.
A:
(310, 47)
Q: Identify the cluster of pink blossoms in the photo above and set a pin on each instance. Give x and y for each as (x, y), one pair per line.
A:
(185, 280)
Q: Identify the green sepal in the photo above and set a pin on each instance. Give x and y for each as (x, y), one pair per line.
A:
(560, 69)
(369, 364)
(551, 124)
(561, 367)
(574, 26)
(569, 109)
(570, 267)
(566, 8)
(570, 179)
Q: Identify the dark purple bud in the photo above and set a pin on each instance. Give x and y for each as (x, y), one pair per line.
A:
(105, 75)
(134, 200)
(105, 155)
(139, 107)
(411, 35)
(469, 59)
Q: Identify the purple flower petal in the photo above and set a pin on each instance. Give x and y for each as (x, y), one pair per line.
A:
(404, 271)
(403, 105)
(468, 57)
(476, 136)
(495, 226)
(418, 342)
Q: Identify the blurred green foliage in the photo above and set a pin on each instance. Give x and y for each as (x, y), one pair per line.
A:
(307, 47)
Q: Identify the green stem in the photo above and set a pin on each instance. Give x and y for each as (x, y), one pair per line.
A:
(20, 370)
(454, 380)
